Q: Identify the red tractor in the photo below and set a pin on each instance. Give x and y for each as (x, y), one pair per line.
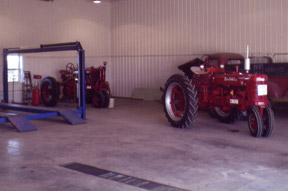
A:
(219, 84)
(97, 88)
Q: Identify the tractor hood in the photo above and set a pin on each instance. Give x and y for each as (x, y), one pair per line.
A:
(239, 79)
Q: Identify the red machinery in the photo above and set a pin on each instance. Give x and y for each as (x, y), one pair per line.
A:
(277, 81)
(36, 90)
(97, 88)
(219, 84)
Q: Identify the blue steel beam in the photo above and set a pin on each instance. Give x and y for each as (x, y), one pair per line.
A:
(5, 79)
(70, 46)
(45, 48)
(81, 71)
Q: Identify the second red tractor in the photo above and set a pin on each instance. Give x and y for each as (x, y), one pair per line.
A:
(97, 89)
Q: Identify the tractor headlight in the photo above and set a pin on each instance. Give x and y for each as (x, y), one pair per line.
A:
(262, 89)
(260, 79)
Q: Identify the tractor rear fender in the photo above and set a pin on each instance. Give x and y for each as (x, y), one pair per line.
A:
(186, 67)
(274, 90)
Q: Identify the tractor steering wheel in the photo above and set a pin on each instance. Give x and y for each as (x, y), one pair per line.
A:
(70, 67)
(210, 65)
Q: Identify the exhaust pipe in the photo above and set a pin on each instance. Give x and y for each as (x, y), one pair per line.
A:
(247, 61)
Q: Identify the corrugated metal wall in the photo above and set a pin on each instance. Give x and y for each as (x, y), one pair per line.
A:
(147, 39)
(151, 37)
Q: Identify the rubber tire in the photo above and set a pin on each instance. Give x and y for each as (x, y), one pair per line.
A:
(226, 117)
(191, 101)
(98, 99)
(54, 90)
(212, 113)
(255, 116)
(268, 122)
(107, 98)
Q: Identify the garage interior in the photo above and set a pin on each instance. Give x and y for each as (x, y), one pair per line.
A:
(143, 42)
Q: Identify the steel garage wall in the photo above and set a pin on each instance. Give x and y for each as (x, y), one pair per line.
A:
(151, 37)
(31, 22)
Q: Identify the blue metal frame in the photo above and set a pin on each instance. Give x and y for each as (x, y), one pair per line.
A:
(42, 113)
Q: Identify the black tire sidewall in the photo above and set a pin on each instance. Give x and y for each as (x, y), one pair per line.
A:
(230, 118)
(254, 110)
(55, 93)
(188, 116)
(267, 131)
(101, 98)
(106, 98)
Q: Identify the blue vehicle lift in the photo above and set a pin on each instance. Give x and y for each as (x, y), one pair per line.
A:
(21, 122)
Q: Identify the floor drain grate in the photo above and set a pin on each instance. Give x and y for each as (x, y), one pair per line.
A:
(121, 178)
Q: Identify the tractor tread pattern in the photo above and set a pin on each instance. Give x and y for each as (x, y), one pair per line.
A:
(192, 106)
(255, 110)
(267, 132)
(55, 91)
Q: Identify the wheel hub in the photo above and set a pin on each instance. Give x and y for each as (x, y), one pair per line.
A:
(175, 101)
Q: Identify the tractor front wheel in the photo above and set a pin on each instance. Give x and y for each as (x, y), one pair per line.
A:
(268, 122)
(180, 101)
(255, 122)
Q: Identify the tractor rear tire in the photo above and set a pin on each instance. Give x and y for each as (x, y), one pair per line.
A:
(106, 98)
(268, 122)
(98, 99)
(180, 101)
(255, 122)
(50, 91)
(226, 117)
(212, 113)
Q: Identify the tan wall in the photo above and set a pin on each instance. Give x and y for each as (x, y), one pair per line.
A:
(32, 22)
(29, 23)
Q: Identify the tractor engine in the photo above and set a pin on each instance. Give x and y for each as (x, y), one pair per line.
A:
(228, 90)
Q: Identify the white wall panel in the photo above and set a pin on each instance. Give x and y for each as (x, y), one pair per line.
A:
(30, 23)
(145, 40)
(131, 72)
(150, 38)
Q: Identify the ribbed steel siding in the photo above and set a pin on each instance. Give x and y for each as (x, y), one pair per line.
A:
(129, 72)
(151, 37)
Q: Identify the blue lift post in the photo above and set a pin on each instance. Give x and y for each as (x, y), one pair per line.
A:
(70, 116)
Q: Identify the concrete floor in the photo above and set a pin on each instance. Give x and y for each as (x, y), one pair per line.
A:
(134, 138)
